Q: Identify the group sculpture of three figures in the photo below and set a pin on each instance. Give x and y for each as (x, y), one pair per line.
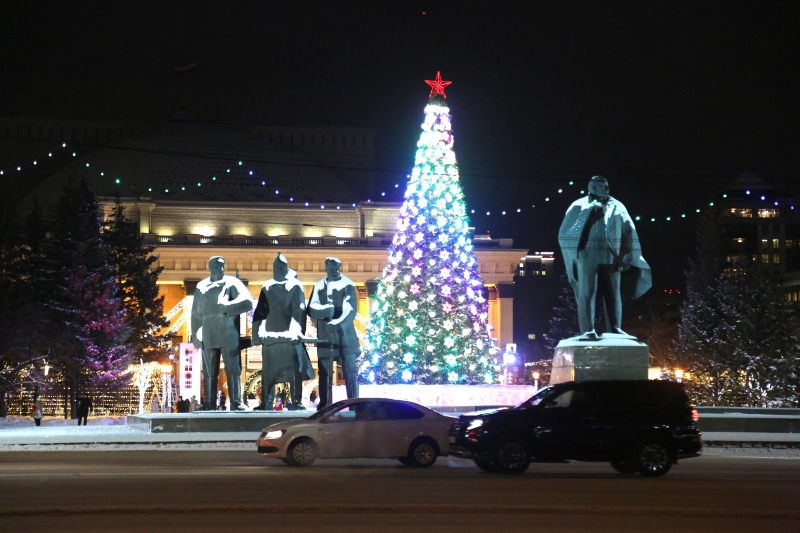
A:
(279, 323)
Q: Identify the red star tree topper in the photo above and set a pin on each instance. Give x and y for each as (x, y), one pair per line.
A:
(437, 85)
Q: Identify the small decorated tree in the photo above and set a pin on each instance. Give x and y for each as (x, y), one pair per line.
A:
(431, 323)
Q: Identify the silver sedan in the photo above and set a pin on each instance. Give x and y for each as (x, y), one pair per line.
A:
(363, 427)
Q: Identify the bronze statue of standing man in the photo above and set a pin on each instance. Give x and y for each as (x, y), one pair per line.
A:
(278, 326)
(602, 252)
(218, 301)
(334, 304)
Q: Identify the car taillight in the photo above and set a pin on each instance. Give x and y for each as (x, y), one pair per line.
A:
(695, 415)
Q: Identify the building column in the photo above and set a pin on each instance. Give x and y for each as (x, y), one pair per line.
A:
(505, 293)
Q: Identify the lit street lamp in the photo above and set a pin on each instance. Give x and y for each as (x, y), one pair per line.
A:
(679, 375)
(536, 381)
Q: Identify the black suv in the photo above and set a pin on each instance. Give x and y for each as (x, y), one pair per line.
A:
(643, 426)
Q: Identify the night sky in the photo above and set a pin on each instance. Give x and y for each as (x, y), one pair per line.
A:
(669, 100)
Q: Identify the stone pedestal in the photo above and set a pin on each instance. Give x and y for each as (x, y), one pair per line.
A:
(611, 356)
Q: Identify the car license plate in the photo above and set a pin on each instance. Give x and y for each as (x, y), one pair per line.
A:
(452, 440)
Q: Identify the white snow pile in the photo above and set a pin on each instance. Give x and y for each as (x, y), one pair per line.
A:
(26, 421)
(120, 446)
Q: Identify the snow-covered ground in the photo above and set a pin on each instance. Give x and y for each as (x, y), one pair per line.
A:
(108, 433)
(51, 421)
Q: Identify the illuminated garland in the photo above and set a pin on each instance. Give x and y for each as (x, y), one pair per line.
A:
(502, 212)
(35, 162)
(430, 323)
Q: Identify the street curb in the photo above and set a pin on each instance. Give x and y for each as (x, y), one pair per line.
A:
(750, 444)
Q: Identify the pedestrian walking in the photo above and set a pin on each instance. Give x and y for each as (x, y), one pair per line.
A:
(38, 409)
(155, 404)
(84, 407)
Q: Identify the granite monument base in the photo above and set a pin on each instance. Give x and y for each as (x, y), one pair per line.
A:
(611, 356)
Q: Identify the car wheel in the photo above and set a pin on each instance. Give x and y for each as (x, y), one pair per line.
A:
(486, 465)
(625, 466)
(653, 458)
(511, 456)
(422, 453)
(301, 452)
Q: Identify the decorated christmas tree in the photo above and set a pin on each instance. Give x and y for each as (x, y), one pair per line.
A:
(431, 323)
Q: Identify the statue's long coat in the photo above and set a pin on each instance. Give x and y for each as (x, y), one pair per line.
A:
(278, 323)
(621, 238)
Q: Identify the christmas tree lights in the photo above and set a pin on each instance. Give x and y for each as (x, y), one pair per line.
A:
(430, 324)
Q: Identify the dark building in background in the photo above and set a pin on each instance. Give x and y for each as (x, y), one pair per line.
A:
(762, 225)
(536, 289)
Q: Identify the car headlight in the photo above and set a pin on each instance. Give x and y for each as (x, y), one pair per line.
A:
(478, 422)
(274, 434)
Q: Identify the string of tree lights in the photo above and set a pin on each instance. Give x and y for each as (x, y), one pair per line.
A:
(35, 162)
(239, 168)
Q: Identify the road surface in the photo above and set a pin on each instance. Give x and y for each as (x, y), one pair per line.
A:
(227, 491)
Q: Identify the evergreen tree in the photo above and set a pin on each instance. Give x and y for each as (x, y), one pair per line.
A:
(431, 321)
(763, 332)
(20, 322)
(136, 281)
(89, 345)
(738, 337)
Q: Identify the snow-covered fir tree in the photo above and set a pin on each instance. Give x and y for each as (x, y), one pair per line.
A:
(78, 291)
(738, 337)
(136, 284)
(431, 323)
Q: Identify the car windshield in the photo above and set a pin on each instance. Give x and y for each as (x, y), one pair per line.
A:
(536, 399)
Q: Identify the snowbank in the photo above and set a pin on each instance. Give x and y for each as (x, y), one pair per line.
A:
(26, 421)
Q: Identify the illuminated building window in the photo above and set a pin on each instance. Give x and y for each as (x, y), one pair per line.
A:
(767, 213)
(764, 243)
(740, 212)
(776, 259)
(737, 240)
(532, 336)
(765, 258)
(775, 243)
(789, 243)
